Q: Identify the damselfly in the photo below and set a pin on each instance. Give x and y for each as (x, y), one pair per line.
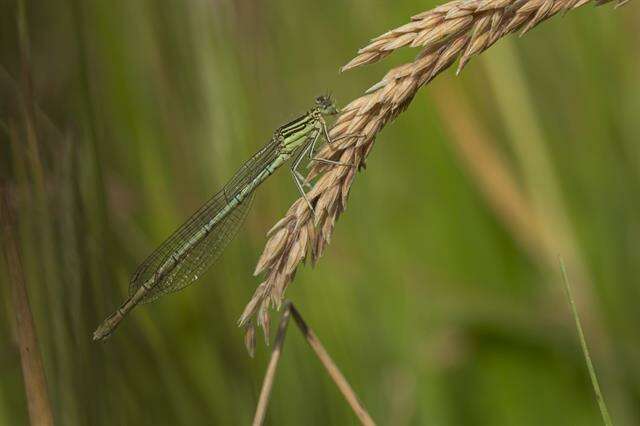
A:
(190, 250)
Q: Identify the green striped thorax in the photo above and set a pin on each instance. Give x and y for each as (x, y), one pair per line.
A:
(296, 133)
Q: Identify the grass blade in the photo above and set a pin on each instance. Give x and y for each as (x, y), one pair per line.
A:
(585, 350)
(32, 369)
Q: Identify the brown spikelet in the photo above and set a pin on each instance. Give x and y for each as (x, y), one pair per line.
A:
(253, 304)
(460, 30)
(250, 339)
(274, 247)
(264, 320)
(485, 21)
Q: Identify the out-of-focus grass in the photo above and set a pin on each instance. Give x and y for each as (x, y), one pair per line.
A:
(426, 298)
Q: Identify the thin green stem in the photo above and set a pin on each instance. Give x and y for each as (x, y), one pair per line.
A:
(585, 350)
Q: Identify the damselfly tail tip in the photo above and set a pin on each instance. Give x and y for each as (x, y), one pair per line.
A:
(101, 333)
(97, 336)
(105, 329)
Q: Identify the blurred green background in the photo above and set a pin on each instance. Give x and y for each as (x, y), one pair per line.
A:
(439, 296)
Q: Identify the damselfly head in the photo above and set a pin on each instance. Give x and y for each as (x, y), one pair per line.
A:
(326, 105)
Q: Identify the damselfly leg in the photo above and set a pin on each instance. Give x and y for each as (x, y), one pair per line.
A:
(297, 176)
(331, 142)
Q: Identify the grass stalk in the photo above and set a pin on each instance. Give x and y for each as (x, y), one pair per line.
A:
(324, 357)
(35, 383)
(332, 368)
(267, 385)
(585, 349)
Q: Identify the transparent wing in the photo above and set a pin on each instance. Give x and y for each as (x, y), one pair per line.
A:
(201, 255)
